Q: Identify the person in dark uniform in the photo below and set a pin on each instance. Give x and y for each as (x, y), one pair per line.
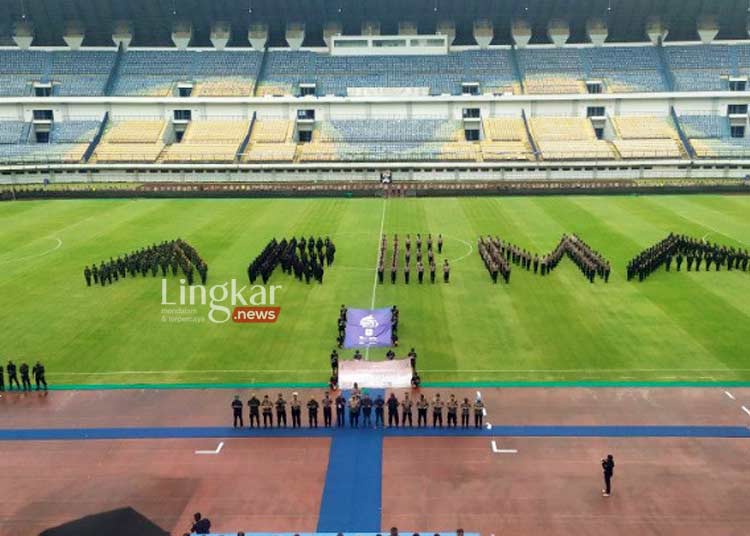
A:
(2, 379)
(446, 272)
(366, 411)
(432, 272)
(392, 410)
(478, 413)
(406, 406)
(38, 372)
(237, 411)
(202, 524)
(327, 402)
(412, 355)
(254, 405)
(406, 273)
(452, 411)
(381, 270)
(420, 272)
(437, 411)
(379, 403)
(440, 243)
(340, 410)
(280, 411)
(608, 466)
(422, 405)
(25, 378)
(296, 407)
(465, 409)
(335, 359)
(87, 275)
(267, 409)
(12, 376)
(354, 407)
(312, 412)
(393, 273)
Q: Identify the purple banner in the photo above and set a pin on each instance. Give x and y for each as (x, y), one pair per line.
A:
(365, 327)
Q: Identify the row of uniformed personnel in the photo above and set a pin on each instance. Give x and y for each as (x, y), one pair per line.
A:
(358, 405)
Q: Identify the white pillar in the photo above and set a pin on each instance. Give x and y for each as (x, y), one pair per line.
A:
(597, 30)
(74, 35)
(295, 34)
(220, 33)
(656, 30)
(258, 35)
(708, 28)
(559, 31)
(182, 33)
(122, 34)
(23, 34)
(484, 32)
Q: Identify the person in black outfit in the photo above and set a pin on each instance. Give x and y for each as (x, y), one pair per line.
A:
(25, 379)
(254, 405)
(366, 411)
(296, 407)
(608, 465)
(280, 411)
(379, 403)
(202, 525)
(392, 410)
(237, 411)
(2, 379)
(38, 372)
(312, 413)
(87, 275)
(335, 359)
(340, 410)
(12, 376)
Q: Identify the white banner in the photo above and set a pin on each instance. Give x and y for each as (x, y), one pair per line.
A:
(375, 374)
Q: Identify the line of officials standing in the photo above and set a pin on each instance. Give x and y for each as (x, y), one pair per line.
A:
(360, 405)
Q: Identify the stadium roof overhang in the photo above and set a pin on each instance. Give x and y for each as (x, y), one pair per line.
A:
(152, 21)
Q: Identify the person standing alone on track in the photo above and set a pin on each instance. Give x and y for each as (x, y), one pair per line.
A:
(608, 465)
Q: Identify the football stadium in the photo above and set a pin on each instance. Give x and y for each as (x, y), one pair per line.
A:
(335, 267)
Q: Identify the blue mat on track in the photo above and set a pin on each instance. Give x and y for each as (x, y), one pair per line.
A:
(352, 493)
(227, 432)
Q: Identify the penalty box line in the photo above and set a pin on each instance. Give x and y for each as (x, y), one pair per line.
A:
(375, 274)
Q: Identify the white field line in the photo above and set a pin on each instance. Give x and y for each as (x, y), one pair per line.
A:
(746, 410)
(524, 371)
(730, 395)
(218, 450)
(42, 254)
(502, 451)
(180, 372)
(375, 271)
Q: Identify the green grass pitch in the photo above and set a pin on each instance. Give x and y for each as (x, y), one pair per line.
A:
(674, 327)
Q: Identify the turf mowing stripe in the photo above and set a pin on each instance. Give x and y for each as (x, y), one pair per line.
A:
(227, 432)
(455, 385)
(352, 492)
